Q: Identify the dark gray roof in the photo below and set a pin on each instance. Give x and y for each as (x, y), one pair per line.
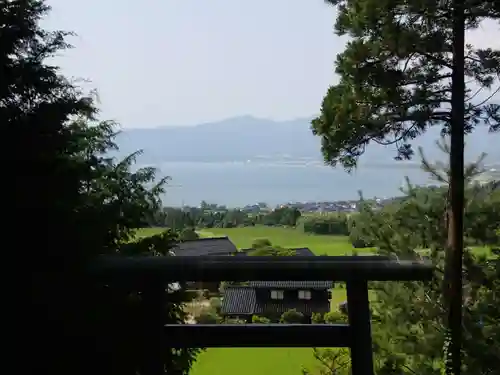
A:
(241, 253)
(284, 284)
(241, 300)
(299, 251)
(238, 300)
(205, 246)
(304, 251)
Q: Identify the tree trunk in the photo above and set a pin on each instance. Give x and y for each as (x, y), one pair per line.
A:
(454, 252)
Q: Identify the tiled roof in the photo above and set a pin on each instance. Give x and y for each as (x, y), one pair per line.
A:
(241, 300)
(205, 246)
(238, 300)
(240, 253)
(284, 284)
(303, 251)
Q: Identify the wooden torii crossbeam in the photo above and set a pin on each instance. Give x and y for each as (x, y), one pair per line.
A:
(152, 274)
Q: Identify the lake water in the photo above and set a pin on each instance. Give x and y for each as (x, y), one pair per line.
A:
(241, 183)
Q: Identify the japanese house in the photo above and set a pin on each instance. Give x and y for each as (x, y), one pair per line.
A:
(273, 298)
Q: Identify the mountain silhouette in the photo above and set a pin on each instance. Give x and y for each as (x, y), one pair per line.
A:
(247, 138)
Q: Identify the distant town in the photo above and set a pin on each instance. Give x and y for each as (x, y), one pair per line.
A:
(317, 207)
(304, 207)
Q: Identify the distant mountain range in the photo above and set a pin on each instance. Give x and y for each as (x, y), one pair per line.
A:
(245, 160)
(247, 138)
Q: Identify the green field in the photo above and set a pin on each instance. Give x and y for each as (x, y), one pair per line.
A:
(253, 361)
(286, 237)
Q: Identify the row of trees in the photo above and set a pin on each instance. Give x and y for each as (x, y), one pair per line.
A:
(212, 216)
(191, 217)
(336, 224)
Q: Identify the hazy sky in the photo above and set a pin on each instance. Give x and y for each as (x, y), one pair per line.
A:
(175, 62)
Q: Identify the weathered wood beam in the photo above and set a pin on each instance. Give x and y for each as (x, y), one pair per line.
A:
(217, 268)
(257, 335)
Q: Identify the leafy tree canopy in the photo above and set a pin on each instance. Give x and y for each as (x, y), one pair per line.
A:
(395, 76)
(77, 203)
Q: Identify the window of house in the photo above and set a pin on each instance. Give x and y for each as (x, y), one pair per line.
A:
(304, 294)
(277, 294)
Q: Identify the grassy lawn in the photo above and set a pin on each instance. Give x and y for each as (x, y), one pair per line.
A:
(253, 361)
(286, 237)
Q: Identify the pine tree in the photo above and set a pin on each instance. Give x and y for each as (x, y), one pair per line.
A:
(403, 71)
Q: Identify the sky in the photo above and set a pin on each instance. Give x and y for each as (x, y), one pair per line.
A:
(183, 62)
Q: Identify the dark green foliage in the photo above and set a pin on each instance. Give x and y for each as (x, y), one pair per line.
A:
(416, 311)
(408, 318)
(328, 225)
(292, 316)
(264, 247)
(207, 317)
(395, 76)
(215, 304)
(332, 317)
(210, 216)
(356, 238)
(287, 216)
(317, 318)
(260, 320)
(332, 361)
(82, 204)
(408, 322)
(261, 242)
(188, 234)
(272, 251)
(234, 321)
(335, 317)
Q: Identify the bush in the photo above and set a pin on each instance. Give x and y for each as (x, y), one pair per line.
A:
(358, 243)
(333, 225)
(356, 237)
(343, 308)
(234, 321)
(317, 318)
(215, 304)
(260, 320)
(207, 317)
(188, 234)
(292, 316)
(335, 317)
(261, 242)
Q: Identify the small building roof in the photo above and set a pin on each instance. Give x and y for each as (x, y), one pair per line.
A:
(289, 284)
(206, 246)
(241, 300)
